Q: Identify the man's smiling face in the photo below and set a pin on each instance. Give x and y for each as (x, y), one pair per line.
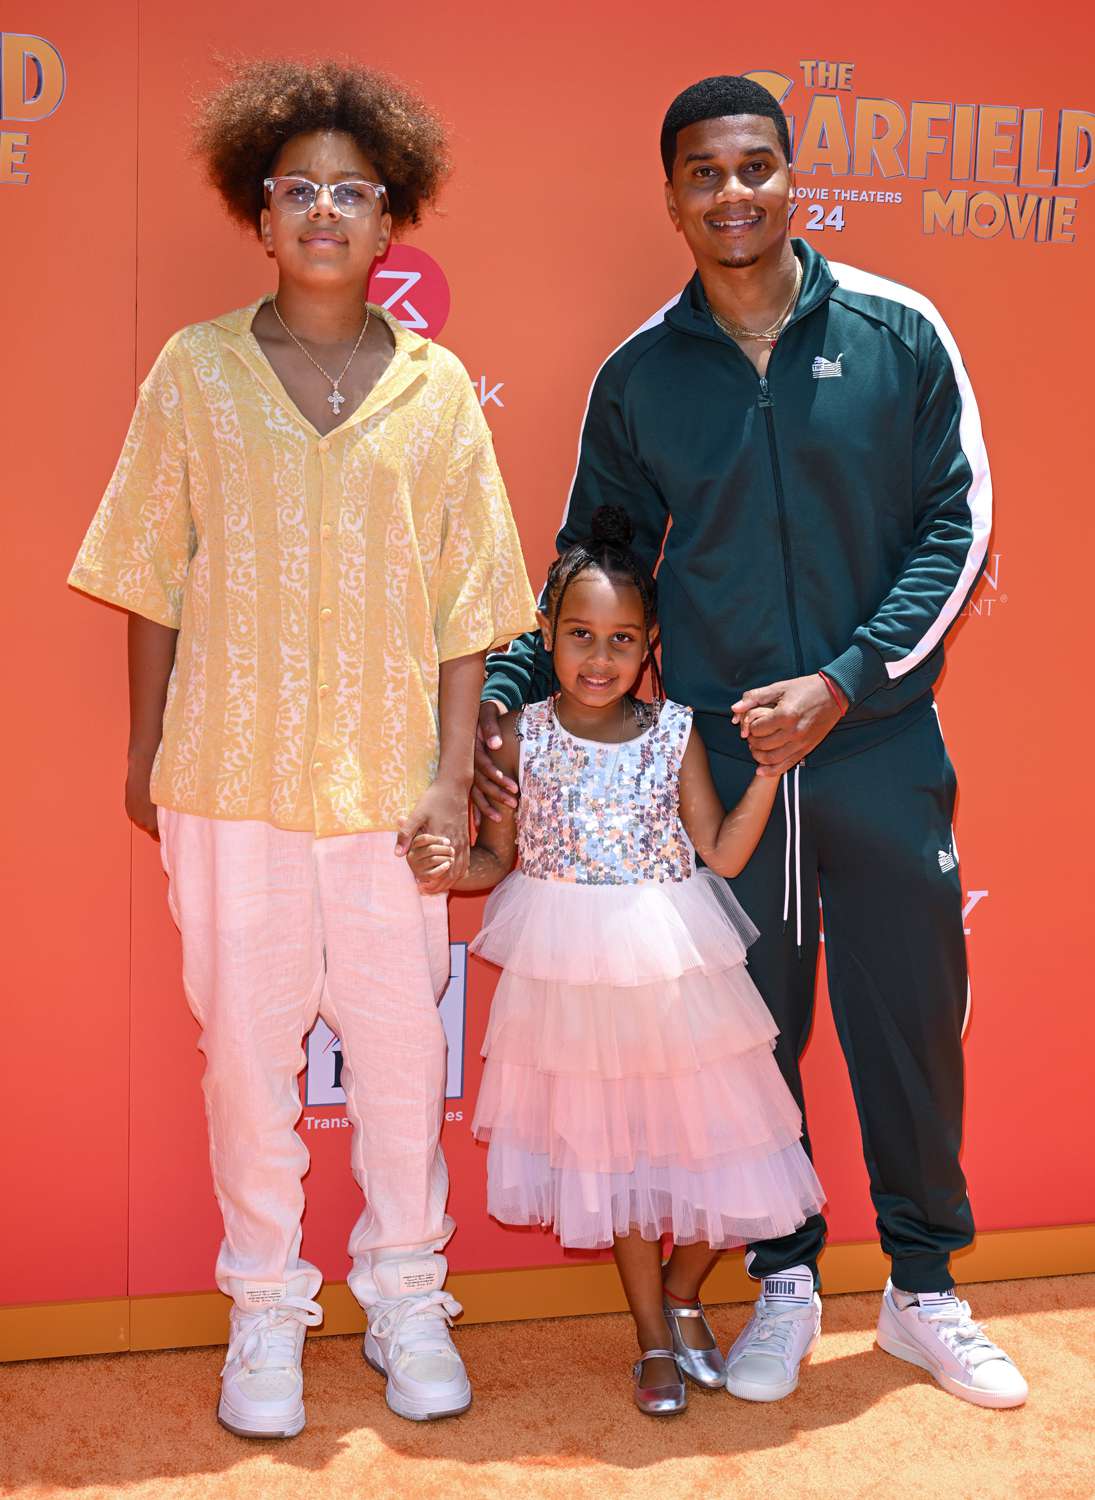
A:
(731, 190)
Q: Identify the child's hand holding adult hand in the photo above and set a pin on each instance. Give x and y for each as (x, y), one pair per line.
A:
(442, 811)
(785, 721)
(431, 858)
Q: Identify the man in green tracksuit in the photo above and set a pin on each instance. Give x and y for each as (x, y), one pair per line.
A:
(803, 440)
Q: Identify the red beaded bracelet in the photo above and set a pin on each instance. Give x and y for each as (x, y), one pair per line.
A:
(837, 696)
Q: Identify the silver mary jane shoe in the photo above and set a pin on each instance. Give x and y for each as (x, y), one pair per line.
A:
(707, 1367)
(658, 1400)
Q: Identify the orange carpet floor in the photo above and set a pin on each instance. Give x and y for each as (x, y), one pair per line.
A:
(552, 1418)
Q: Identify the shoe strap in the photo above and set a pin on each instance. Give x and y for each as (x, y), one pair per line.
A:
(684, 1312)
(670, 1385)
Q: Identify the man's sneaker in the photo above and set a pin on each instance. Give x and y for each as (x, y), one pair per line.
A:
(408, 1339)
(262, 1391)
(763, 1362)
(935, 1331)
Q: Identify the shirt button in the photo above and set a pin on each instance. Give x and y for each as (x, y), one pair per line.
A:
(324, 444)
(317, 765)
(326, 528)
(326, 612)
(323, 690)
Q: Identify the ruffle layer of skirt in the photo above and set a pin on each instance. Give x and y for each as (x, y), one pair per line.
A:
(674, 1026)
(732, 1110)
(618, 935)
(630, 1081)
(726, 1202)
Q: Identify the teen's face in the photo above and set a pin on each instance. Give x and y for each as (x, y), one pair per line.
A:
(599, 641)
(731, 190)
(323, 247)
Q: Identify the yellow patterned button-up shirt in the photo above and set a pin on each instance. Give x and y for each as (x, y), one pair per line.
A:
(317, 583)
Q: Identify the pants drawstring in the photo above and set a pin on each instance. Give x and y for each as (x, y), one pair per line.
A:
(797, 838)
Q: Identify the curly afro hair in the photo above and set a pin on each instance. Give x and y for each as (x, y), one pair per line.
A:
(243, 125)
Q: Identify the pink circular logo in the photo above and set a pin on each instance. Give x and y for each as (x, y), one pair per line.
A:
(412, 286)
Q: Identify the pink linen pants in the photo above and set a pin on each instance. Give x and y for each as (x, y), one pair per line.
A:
(277, 928)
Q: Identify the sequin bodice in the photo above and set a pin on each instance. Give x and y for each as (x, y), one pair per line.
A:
(602, 814)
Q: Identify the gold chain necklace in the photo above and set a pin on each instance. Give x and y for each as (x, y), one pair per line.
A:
(772, 333)
(336, 399)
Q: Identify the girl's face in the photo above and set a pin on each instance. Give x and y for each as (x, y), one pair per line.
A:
(323, 248)
(600, 641)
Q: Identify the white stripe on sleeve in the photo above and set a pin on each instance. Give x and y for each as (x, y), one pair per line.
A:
(979, 495)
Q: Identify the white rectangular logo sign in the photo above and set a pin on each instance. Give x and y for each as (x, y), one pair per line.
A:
(324, 1050)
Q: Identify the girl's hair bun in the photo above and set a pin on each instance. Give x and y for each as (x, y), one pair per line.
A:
(611, 525)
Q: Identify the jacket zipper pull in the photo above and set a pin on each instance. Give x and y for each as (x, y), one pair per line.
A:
(765, 398)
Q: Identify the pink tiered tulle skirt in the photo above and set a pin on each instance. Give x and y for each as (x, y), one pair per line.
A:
(630, 1082)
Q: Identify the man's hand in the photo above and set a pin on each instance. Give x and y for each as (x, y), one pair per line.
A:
(139, 806)
(430, 858)
(442, 810)
(491, 788)
(785, 721)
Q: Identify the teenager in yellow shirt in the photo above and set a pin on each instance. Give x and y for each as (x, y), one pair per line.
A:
(309, 530)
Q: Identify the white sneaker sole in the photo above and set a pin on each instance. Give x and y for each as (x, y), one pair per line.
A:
(414, 1408)
(914, 1356)
(747, 1390)
(248, 1425)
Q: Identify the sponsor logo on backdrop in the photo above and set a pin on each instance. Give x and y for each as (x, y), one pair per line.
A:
(324, 1050)
(32, 85)
(413, 288)
(980, 170)
(973, 900)
(988, 596)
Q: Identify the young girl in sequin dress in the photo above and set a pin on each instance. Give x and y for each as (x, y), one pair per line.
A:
(630, 1092)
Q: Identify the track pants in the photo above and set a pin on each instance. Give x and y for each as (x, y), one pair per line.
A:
(277, 928)
(873, 832)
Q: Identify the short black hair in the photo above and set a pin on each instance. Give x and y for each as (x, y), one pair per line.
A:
(711, 99)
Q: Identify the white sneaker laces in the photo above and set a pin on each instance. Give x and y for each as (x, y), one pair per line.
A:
(268, 1340)
(411, 1324)
(966, 1339)
(772, 1329)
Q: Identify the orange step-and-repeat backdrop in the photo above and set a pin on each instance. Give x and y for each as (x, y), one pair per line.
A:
(937, 146)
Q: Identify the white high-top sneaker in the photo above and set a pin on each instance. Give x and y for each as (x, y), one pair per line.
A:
(409, 1342)
(262, 1390)
(935, 1331)
(764, 1361)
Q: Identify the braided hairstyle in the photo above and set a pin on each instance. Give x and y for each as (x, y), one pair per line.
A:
(608, 549)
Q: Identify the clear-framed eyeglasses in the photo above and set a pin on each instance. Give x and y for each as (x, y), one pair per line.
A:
(354, 198)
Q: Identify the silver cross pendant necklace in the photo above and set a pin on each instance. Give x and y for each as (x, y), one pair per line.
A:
(336, 400)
